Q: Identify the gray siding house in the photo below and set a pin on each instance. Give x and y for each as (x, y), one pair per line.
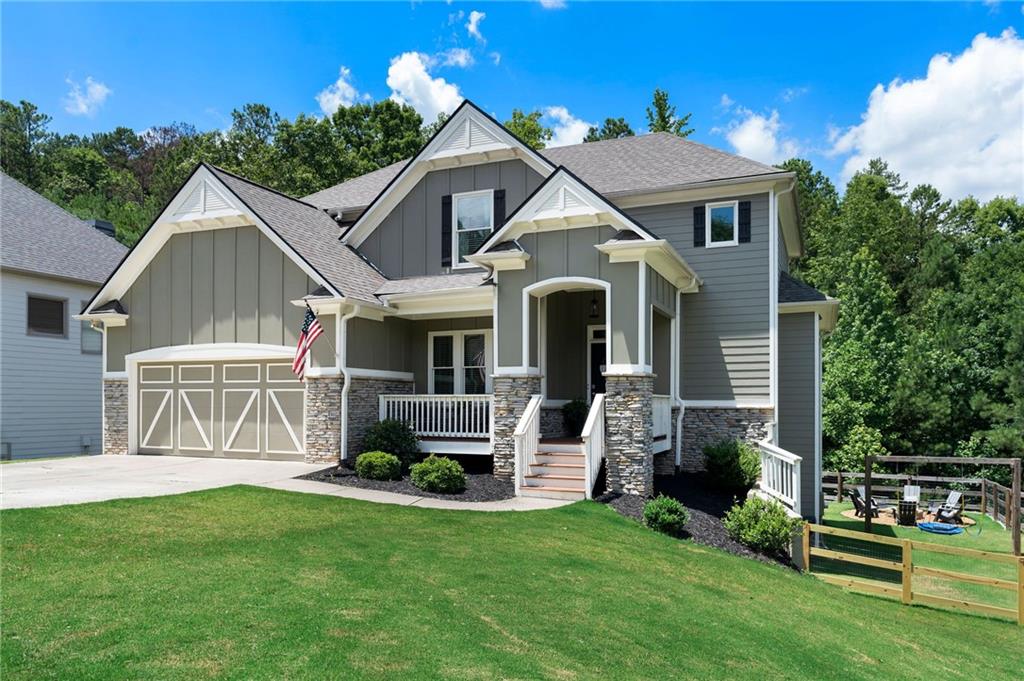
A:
(51, 265)
(471, 291)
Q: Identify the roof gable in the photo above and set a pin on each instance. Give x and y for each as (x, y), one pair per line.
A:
(468, 137)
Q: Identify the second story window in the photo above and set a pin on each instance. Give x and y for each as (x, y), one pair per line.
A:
(473, 218)
(47, 316)
(722, 224)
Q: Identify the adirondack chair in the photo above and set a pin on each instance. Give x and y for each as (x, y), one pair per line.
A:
(950, 511)
(912, 493)
(860, 505)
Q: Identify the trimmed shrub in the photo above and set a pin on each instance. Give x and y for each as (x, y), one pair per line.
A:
(393, 437)
(666, 515)
(574, 416)
(732, 464)
(439, 474)
(378, 466)
(761, 524)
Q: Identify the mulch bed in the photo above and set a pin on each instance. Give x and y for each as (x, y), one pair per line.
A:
(479, 486)
(707, 507)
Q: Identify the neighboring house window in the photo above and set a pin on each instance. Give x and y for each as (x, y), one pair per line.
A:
(459, 363)
(473, 215)
(92, 339)
(722, 224)
(47, 316)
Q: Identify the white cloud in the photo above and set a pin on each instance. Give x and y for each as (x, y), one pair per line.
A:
(339, 93)
(456, 56)
(79, 102)
(412, 84)
(758, 136)
(566, 128)
(496, 57)
(958, 128)
(791, 93)
(726, 101)
(473, 25)
(552, 4)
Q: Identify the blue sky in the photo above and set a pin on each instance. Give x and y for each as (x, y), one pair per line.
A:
(765, 79)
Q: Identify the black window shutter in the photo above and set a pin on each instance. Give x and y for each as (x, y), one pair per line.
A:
(698, 226)
(446, 230)
(744, 222)
(499, 208)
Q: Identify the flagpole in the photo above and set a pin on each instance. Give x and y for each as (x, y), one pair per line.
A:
(324, 336)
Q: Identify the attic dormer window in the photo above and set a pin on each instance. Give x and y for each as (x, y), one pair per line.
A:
(473, 218)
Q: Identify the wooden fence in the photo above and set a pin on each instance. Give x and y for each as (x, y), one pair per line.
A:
(907, 569)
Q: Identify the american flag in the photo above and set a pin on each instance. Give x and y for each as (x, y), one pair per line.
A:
(311, 330)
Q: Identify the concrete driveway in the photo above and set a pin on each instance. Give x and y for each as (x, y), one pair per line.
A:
(55, 482)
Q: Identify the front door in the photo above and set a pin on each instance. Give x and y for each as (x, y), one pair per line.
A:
(595, 360)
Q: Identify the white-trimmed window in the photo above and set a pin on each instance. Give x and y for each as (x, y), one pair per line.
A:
(459, 362)
(47, 316)
(721, 224)
(473, 222)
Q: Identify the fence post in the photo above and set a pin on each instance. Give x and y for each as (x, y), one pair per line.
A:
(1020, 591)
(839, 490)
(984, 486)
(908, 567)
(807, 547)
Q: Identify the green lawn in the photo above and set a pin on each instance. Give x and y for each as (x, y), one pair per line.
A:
(987, 535)
(253, 583)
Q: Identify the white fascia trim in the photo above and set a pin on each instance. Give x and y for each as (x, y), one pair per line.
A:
(727, 404)
(381, 373)
(109, 319)
(213, 351)
(430, 158)
(500, 260)
(700, 191)
(827, 311)
(479, 299)
(660, 255)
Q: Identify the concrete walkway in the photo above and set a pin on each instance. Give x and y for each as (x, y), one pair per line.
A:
(82, 479)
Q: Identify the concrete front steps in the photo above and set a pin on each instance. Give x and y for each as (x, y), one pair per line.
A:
(558, 473)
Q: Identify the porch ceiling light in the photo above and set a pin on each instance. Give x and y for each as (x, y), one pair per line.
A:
(593, 308)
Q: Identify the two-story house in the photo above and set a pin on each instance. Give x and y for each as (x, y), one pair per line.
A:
(470, 292)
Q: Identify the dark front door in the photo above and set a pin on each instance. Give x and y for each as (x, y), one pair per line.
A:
(597, 353)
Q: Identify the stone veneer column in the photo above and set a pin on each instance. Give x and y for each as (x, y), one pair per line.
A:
(511, 395)
(323, 418)
(629, 425)
(364, 408)
(704, 426)
(115, 416)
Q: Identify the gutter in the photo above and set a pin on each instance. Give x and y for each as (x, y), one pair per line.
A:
(347, 376)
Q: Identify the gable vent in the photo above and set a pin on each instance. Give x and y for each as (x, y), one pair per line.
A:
(214, 201)
(571, 200)
(193, 203)
(478, 136)
(459, 138)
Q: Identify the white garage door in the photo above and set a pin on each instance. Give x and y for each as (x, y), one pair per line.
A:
(245, 410)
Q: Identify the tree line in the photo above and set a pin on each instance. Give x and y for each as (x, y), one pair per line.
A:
(928, 353)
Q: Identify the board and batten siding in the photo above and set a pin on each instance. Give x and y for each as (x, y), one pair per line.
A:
(379, 345)
(565, 253)
(220, 286)
(725, 326)
(408, 241)
(49, 389)
(797, 397)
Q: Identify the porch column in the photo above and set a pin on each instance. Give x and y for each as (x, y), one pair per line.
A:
(323, 418)
(115, 416)
(629, 437)
(511, 395)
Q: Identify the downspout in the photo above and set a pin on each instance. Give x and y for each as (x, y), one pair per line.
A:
(346, 376)
(773, 434)
(676, 382)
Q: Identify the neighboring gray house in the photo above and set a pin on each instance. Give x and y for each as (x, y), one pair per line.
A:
(51, 264)
(471, 292)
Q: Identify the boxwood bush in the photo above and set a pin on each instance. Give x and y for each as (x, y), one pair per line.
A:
(732, 464)
(665, 514)
(574, 416)
(378, 466)
(761, 524)
(439, 474)
(393, 437)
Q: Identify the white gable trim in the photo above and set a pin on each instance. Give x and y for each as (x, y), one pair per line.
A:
(203, 203)
(563, 202)
(469, 137)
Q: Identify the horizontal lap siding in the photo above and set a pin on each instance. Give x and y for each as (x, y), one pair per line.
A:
(797, 397)
(50, 394)
(225, 286)
(725, 334)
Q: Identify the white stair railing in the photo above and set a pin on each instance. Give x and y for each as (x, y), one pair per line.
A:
(527, 439)
(780, 474)
(444, 416)
(593, 442)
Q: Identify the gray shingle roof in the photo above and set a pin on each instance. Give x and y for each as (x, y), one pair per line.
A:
(653, 162)
(40, 237)
(795, 291)
(312, 233)
(439, 282)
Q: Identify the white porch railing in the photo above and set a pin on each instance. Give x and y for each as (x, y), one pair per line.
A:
(527, 439)
(780, 474)
(661, 408)
(445, 416)
(593, 442)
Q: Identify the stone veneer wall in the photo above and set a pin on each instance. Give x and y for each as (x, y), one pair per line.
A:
(628, 417)
(551, 423)
(511, 395)
(323, 418)
(665, 462)
(364, 407)
(704, 426)
(115, 416)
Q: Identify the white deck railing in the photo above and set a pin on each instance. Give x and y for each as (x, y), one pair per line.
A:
(661, 408)
(593, 442)
(780, 474)
(445, 416)
(527, 439)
